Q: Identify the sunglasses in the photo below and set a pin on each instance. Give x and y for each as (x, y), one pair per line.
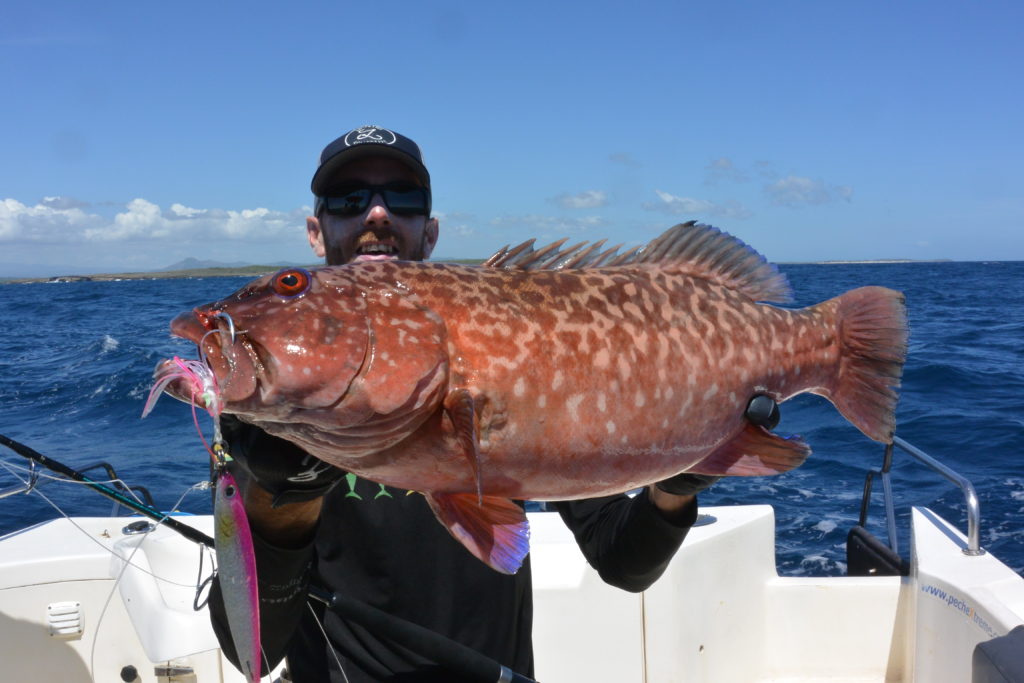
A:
(402, 199)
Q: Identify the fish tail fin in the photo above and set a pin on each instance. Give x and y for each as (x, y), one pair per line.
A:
(872, 329)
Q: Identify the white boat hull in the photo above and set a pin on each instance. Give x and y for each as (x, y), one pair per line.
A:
(720, 613)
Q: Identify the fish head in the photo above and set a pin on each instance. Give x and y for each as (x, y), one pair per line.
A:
(339, 359)
(287, 342)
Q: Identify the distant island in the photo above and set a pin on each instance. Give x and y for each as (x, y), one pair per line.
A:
(193, 268)
(217, 271)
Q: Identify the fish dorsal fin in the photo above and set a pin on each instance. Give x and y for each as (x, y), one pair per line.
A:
(691, 248)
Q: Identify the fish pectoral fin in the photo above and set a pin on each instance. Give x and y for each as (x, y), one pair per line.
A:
(462, 412)
(494, 529)
(754, 452)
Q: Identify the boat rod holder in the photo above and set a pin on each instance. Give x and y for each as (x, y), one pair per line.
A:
(970, 496)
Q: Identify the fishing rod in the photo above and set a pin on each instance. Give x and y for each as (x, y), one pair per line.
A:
(185, 530)
(416, 638)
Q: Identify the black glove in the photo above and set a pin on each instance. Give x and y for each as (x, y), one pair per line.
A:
(762, 410)
(280, 467)
(687, 484)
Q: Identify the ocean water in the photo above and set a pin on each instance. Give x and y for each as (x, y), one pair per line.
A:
(76, 361)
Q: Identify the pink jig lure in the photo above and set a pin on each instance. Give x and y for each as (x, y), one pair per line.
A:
(236, 560)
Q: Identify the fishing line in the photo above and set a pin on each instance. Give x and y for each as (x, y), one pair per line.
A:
(330, 646)
(126, 561)
(110, 596)
(86, 533)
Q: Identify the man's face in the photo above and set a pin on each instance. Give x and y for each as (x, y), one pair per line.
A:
(377, 233)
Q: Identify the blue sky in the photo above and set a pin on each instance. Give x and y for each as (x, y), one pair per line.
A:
(137, 134)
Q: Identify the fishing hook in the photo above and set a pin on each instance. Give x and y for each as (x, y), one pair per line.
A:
(231, 323)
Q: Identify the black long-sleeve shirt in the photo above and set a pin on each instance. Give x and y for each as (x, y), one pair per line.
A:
(384, 546)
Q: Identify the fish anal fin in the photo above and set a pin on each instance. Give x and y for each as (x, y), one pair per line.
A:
(461, 411)
(494, 529)
(754, 452)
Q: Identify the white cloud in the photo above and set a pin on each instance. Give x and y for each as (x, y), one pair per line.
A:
(456, 223)
(795, 190)
(723, 170)
(182, 211)
(675, 205)
(141, 220)
(549, 224)
(63, 203)
(42, 222)
(458, 230)
(588, 199)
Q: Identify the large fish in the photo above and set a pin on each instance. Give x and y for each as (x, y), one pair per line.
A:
(544, 374)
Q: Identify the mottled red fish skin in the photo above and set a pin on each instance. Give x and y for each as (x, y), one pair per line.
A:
(585, 382)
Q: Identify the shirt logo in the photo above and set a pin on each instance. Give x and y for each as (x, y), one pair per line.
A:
(370, 134)
(312, 474)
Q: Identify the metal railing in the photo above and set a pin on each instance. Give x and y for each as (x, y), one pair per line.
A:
(970, 497)
(34, 482)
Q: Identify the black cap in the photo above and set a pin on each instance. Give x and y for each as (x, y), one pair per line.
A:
(367, 141)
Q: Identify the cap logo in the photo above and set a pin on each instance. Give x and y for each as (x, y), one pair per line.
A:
(370, 134)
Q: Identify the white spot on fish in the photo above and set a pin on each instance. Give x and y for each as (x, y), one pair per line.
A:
(601, 402)
(556, 381)
(572, 403)
(624, 368)
(307, 371)
(640, 399)
(610, 426)
(712, 390)
(520, 387)
(542, 402)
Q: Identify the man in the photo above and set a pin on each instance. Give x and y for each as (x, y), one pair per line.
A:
(315, 524)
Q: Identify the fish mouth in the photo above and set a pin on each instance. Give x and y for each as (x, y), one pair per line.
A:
(230, 356)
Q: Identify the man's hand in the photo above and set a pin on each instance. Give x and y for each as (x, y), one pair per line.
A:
(282, 485)
(282, 469)
(676, 493)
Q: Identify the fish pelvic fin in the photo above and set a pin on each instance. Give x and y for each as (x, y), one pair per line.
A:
(494, 529)
(754, 452)
(872, 331)
(458, 405)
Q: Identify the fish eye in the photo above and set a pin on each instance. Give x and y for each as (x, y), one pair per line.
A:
(291, 283)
